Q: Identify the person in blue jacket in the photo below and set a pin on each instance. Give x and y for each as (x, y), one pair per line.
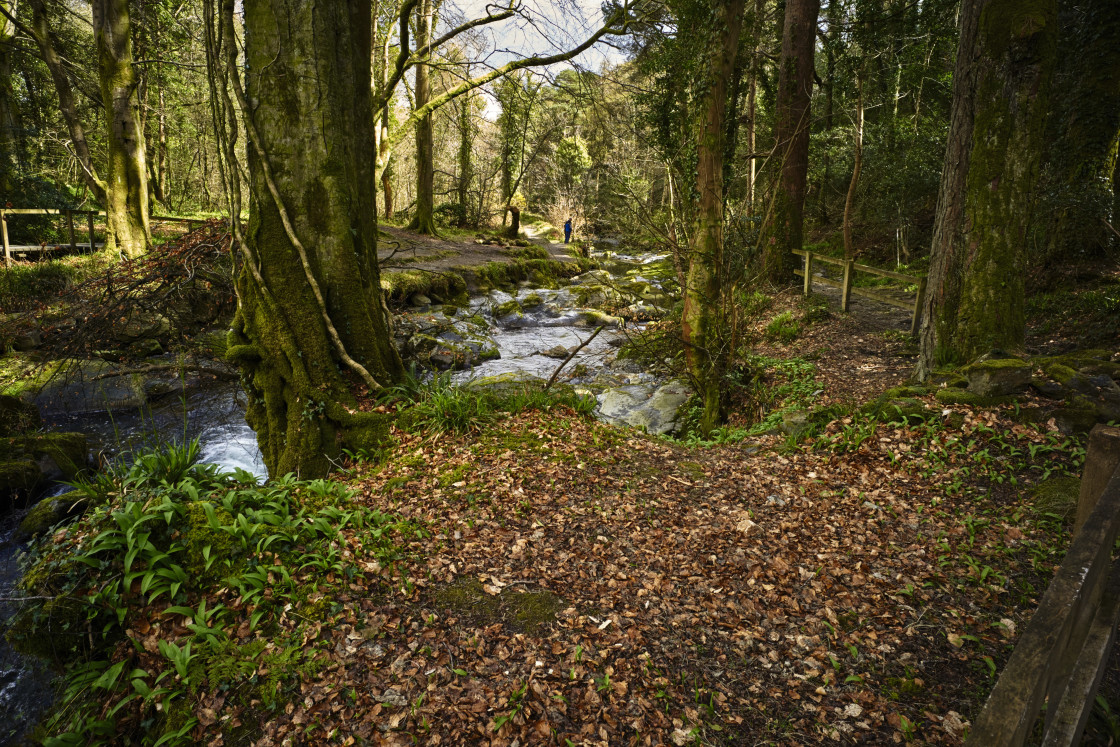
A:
(567, 230)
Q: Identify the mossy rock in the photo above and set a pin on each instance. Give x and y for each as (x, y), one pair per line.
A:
(531, 301)
(17, 416)
(51, 511)
(1057, 495)
(507, 309)
(949, 378)
(955, 396)
(906, 391)
(1078, 416)
(997, 376)
(18, 478)
(213, 343)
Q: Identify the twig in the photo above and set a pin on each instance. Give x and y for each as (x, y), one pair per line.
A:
(1110, 226)
(571, 355)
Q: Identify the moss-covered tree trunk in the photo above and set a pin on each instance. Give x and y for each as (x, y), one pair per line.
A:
(1082, 134)
(67, 105)
(704, 325)
(466, 147)
(126, 191)
(8, 127)
(424, 220)
(310, 312)
(974, 298)
(795, 88)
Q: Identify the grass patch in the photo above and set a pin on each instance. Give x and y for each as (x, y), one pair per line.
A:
(783, 328)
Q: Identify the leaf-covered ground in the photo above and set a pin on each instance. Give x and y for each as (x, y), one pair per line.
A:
(729, 595)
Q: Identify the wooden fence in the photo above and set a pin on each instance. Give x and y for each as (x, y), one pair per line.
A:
(850, 267)
(1063, 652)
(72, 245)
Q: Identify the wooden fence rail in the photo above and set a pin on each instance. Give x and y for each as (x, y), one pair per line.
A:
(850, 267)
(69, 214)
(1060, 658)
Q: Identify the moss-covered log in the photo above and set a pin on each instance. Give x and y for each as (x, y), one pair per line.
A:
(308, 91)
(975, 298)
(126, 192)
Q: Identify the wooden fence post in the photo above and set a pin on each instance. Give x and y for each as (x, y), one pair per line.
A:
(1102, 456)
(846, 291)
(7, 249)
(89, 217)
(70, 229)
(808, 273)
(917, 318)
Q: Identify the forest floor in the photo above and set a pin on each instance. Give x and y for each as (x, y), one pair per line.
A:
(409, 250)
(555, 580)
(581, 584)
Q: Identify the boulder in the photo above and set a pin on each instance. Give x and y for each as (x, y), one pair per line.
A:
(996, 376)
(49, 512)
(142, 325)
(419, 299)
(31, 461)
(637, 406)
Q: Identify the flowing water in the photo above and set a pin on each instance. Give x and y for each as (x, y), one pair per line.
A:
(528, 341)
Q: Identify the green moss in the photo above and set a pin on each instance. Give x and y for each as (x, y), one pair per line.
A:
(507, 308)
(1059, 372)
(995, 364)
(897, 409)
(531, 301)
(19, 474)
(1057, 495)
(48, 512)
(521, 611)
(955, 396)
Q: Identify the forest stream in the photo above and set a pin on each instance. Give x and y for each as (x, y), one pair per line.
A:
(527, 332)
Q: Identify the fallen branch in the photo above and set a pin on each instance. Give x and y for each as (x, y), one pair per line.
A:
(581, 346)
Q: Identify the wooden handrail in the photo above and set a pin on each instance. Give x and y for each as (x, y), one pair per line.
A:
(847, 291)
(1062, 654)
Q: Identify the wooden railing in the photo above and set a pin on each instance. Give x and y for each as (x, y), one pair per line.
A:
(69, 214)
(850, 267)
(1062, 654)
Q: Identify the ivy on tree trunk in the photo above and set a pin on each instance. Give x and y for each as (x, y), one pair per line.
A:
(126, 191)
(703, 322)
(311, 314)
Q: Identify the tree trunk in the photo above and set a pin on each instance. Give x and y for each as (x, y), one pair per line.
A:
(126, 194)
(703, 322)
(466, 141)
(424, 220)
(974, 298)
(40, 31)
(311, 334)
(795, 84)
(8, 127)
(849, 250)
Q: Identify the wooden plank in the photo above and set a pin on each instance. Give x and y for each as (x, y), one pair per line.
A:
(917, 318)
(1013, 706)
(4, 229)
(846, 287)
(886, 273)
(807, 286)
(819, 257)
(1104, 443)
(89, 223)
(70, 228)
(1076, 702)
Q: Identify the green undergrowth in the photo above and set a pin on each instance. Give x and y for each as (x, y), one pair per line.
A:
(185, 581)
(25, 285)
(438, 405)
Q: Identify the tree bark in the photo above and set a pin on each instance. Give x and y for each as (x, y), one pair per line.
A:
(424, 220)
(975, 296)
(703, 322)
(67, 105)
(466, 143)
(126, 193)
(8, 111)
(849, 250)
(795, 87)
(311, 334)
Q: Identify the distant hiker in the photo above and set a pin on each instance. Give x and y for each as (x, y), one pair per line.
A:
(567, 230)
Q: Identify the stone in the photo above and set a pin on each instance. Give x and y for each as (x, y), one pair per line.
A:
(793, 423)
(419, 299)
(1048, 388)
(997, 376)
(142, 325)
(559, 352)
(636, 406)
(27, 340)
(49, 512)
(955, 396)
(17, 416)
